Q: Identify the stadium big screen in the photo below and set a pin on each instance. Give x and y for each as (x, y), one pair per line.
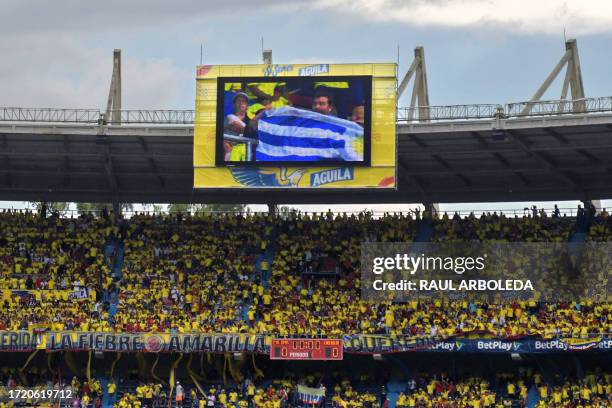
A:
(295, 126)
(289, 121)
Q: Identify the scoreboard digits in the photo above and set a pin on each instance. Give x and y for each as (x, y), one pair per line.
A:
(306, 349)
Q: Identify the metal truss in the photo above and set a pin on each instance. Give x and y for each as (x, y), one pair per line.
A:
(572, 81)
(163, 117)
(509, 110)
(419, 110)
(404, 114)
(419, 101)
(49, 115)
(558, 107)
(95, 116)
(450, 112)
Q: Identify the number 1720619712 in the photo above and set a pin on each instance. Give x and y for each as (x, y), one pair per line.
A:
(38, 394)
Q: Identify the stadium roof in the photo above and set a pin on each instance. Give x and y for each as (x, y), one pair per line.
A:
(558, 157)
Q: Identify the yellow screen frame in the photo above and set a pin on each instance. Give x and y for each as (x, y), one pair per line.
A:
(380, 174)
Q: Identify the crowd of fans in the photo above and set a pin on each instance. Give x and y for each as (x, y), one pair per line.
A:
(184, 275)
(321, 306)
(336, 389)
(75, 392)
(594, 390)
(509, 390)
(53, 272)
(290, 274)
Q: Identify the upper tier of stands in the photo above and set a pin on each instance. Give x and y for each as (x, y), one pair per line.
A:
(290, 274)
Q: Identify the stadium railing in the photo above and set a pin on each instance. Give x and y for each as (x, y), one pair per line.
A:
(506, 111)
(508, 212)
(404, 114)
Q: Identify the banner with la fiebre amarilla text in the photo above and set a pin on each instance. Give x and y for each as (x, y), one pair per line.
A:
(158, 342)
(558, 271)
(23, 341)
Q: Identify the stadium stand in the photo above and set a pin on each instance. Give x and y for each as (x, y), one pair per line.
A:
(173, 283)
(502, 389)
(54, 275)
(286, 275)
(197, 273)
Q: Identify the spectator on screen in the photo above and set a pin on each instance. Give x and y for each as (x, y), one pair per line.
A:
(238, 120)
(358, 115)
(323, 102)
(236, 123)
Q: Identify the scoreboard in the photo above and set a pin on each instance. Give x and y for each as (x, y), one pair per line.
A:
(306, 349)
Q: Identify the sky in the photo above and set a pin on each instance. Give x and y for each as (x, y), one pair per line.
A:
(59, 53)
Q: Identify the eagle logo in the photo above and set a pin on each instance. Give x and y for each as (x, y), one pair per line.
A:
(265, 177)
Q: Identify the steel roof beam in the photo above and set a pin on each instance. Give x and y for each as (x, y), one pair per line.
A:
(152, 164)
(594, 159)
(415, 180)
(507, 165)
(7, 164)
(447, 166)
(103, 140)
(501, 171)
(560, 138)
(448, 149)
(543, 160)
(481, 140)
(453, 149)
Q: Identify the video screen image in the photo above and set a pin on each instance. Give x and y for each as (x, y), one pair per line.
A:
(294, 120)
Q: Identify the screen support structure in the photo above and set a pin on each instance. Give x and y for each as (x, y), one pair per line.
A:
(113, 105)
(112, 115)
(573, 81)
(267, 59)
(419, 102)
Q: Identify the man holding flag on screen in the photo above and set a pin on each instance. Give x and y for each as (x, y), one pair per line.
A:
(323, 102)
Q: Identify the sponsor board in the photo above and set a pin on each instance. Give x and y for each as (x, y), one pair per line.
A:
(274, 70)
(23, 341)
(331, 176)
(549, 345)
(314, 70)
(498, 345)
(446, 346)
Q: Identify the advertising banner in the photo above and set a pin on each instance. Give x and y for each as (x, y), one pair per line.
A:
(24, 341)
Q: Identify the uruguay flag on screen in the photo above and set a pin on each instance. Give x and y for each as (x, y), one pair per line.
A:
(291, 134)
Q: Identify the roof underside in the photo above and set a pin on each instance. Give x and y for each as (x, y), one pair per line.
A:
(565, 159)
